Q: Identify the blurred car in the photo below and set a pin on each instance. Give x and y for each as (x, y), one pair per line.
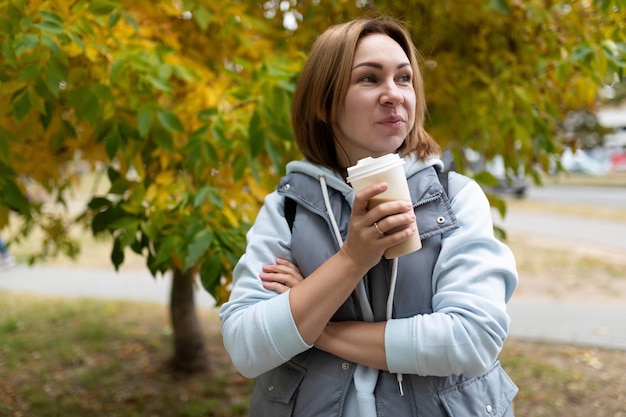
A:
(583, 162)
(509, 181)
(514, 183)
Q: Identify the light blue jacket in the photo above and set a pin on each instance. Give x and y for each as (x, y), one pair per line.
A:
(448, 346)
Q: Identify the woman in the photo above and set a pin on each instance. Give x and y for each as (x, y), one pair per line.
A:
(335, 343)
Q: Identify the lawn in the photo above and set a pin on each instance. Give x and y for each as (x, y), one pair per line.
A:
(85, 357)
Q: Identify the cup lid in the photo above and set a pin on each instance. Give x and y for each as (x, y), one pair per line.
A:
(368, 166)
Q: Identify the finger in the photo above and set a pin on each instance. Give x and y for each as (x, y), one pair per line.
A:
(382, 209)
(284, 279)
(394, 223)
(284, 267)
(362, 198)
(275, 286)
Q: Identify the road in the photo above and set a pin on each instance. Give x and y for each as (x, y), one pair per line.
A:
(614, 197)
(563, 321)
(577, 228)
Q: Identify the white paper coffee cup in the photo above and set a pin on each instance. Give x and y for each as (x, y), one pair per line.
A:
(390, 169)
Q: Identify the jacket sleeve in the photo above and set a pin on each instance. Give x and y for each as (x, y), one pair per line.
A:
(258, 329)
(473, 279)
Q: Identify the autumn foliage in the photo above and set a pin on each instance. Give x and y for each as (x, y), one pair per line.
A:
(184, 106)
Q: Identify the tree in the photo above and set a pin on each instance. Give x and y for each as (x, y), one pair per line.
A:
(184, 106)
(162, 97)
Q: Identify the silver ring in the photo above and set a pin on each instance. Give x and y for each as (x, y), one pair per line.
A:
(378, 229)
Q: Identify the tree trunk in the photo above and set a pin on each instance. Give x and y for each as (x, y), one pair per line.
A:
(190, 354)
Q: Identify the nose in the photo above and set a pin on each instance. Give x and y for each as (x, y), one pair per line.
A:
(391, 94)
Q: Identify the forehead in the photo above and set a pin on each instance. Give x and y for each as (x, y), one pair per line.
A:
(379, 47)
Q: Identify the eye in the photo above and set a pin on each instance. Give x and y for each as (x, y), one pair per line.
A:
(406, 78)
(368, 79)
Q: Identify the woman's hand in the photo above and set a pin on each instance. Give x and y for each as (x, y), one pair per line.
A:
(375, 228)
(280, 276)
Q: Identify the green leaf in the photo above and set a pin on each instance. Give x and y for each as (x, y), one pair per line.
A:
(21, 105)
(52, 45)
(102, 221)
(159, 84)
(203, 17)
(134, 203)
(274, 153)
(165, 250)
(30, 72)
(169, 121)
(49, 27)
(198, 248)
(8, 53)
(5, 137)
(131, 21)
(101, 7)
(255, 133)
(240, 166)
(114, 18)
(582, 53)
(210, 274)
(24, 42)
(85, 103)
(184, 74)
(120, 186)
(77, 40)
(112, 142)
(117, 254)
(501, 6)
(12, 197)
(144, 121)
(163, 139)
(486, 178)
(55, 74)
(201, 196)
(207, 113)
(98, 203)
(52, 18)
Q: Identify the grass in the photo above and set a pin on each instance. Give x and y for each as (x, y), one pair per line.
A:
(612, 179)
(105, 358)
(85, 357)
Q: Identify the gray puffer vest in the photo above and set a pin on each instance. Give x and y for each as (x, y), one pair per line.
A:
(316, 383)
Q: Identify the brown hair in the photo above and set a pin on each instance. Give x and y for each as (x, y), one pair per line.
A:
(323, 84)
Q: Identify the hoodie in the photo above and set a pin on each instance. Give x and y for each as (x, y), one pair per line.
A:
(473, 278)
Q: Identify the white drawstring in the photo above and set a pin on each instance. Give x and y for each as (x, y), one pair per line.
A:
(361, 293)
(330, 210)
(392, 291)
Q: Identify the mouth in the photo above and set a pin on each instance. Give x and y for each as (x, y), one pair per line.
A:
(394, 121)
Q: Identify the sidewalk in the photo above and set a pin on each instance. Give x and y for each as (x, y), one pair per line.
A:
(550, 321)
(135, 285)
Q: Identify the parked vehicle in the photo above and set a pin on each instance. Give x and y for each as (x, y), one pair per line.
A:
(509, 180)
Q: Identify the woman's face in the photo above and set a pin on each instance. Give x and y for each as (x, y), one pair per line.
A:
(379, 107)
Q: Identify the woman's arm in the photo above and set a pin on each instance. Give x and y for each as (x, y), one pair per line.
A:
(473, 279)
(356, 341)
(315, 300)
(261, 329)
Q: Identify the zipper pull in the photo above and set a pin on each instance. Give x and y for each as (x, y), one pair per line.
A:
(399, 376)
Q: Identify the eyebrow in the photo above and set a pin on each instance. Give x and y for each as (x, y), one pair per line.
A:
(379, 66)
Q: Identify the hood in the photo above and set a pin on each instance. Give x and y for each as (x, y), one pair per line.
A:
(336, 181)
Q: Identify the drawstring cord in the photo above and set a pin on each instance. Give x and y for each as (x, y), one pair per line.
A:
(392, 291)
(361, 293)
(330, 210)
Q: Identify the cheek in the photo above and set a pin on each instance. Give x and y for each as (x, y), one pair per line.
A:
(410, 109)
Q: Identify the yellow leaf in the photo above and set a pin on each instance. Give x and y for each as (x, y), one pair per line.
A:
(165, 178)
